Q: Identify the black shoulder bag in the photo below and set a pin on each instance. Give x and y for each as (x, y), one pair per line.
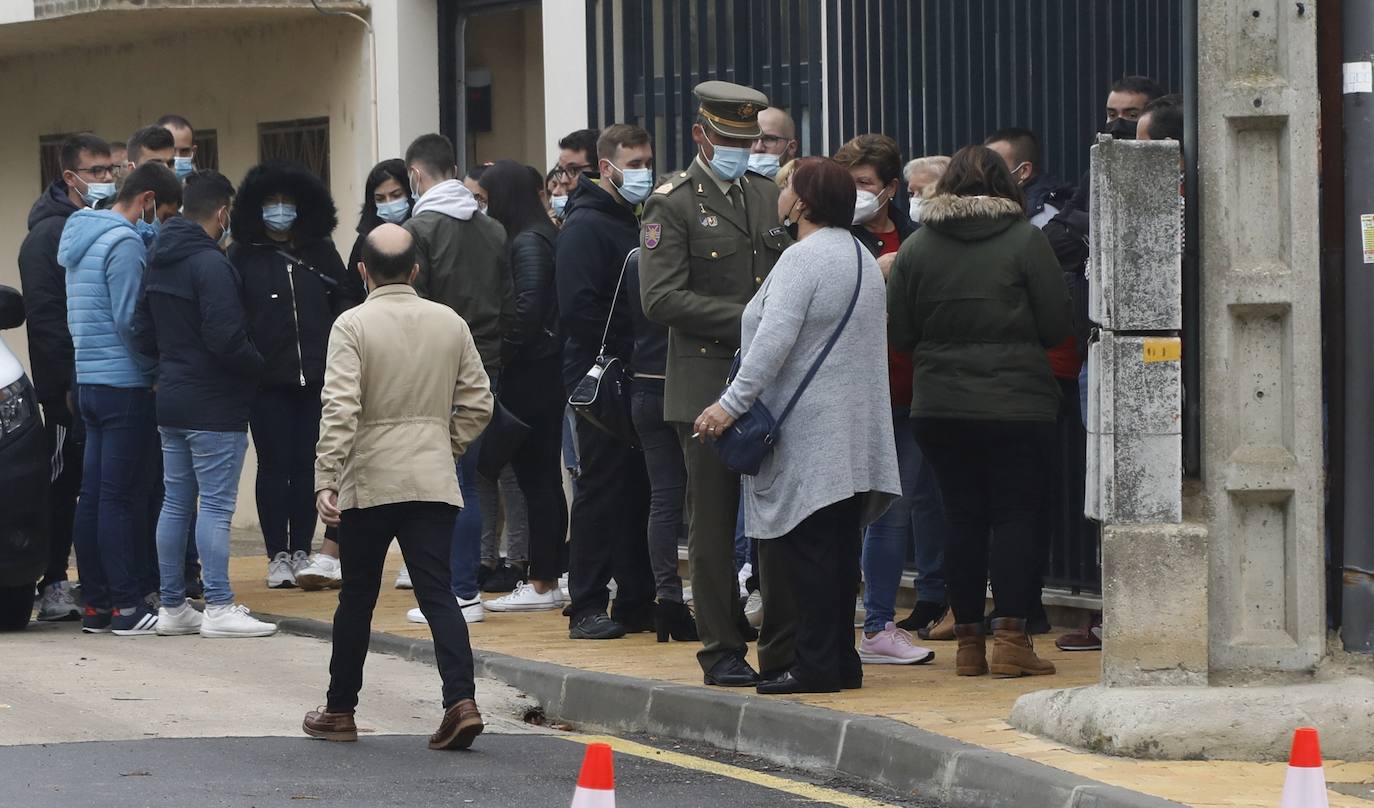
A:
(751, 438)
(603, 395)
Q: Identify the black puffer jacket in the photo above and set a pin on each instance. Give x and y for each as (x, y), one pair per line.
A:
(536, 300)
(45, 300)
(292, 291)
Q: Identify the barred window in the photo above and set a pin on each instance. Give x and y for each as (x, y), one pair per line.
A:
(207, 149)
(305, 140)
(50, 158)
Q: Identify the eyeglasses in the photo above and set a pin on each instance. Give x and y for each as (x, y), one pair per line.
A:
(773, 141)
(97, 171)
(570, 170)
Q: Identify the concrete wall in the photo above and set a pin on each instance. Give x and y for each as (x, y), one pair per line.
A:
(511, 45)
(565, 72)
(228, 80)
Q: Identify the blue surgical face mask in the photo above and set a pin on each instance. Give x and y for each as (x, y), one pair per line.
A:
(395, 211)
(184, 166)
(635, 183)
(279, 218)
(765, 164)
(97, 192)
(559, 203)
(730, 162)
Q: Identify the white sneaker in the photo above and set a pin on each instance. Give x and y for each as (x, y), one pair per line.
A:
(323, 572)
(753, 608)
(473, 612)
(299, 561)
(525, 599)
(563, 589)
(58, 603)
(403, 579)
(860, 613)
(280, 575)
(233, 620)
(178, 622)
(744, 574)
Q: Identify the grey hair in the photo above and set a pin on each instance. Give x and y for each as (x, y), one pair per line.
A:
(935, 165)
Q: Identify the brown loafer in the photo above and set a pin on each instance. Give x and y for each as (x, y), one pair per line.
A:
(461, 725)
(330, 726)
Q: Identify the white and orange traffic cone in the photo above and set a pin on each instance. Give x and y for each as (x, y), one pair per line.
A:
(596, 784)
(1305, 786)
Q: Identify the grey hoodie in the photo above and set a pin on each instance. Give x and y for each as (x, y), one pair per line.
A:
(463, 264)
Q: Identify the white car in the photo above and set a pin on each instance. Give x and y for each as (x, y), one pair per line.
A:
(24, 478)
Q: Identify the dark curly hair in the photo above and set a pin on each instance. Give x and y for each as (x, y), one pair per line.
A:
(316, 216)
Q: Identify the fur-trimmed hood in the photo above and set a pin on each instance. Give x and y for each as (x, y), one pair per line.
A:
(316, 216)
(970, 218)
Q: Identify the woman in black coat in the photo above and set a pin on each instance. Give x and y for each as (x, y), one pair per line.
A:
(294, 285)
(530, 384)
(386, 198)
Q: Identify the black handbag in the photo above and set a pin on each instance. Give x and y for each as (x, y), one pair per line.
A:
(750, 439)
(500, 441)
(602, 396)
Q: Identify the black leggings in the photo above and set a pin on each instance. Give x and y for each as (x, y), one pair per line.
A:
(533, 392)
(990, 475)
(286, 427)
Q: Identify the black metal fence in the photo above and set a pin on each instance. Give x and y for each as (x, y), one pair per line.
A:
(934, 74)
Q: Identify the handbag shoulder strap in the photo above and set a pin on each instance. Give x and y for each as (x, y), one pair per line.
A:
(610, 315)
(835, 337)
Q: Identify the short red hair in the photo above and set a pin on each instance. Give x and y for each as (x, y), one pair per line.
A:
(827, 189)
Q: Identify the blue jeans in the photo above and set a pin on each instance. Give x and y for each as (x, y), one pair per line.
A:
(117, 477)
(466, 556)
(205, 465)
(917, 518)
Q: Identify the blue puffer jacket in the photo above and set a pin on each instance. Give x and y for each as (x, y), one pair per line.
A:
(104, 258)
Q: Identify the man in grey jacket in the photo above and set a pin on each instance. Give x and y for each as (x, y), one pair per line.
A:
(461, 253)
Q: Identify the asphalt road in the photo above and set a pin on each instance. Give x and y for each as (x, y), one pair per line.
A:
(180, 721)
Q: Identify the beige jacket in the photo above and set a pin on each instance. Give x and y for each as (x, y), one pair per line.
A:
(404, 395)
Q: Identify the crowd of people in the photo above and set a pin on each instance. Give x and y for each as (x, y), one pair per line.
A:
(419, 391)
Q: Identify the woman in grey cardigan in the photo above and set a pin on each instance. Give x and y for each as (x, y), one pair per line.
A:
(834, 468)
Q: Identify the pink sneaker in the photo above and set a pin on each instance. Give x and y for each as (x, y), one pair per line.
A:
(893, 646)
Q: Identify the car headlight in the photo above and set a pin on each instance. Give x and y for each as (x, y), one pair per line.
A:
(17, 409)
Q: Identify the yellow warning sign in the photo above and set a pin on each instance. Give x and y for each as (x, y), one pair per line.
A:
(1163, 349)
(1367, 236)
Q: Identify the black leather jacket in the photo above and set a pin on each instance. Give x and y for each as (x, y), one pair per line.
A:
(535, 335)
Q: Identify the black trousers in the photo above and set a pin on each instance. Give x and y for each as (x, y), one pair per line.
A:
(610, 523)
(820, 558)
(1060, 521)
(66, 448)
(991, 478)
(286, 427)
(668, 486)
(425, 533)
(533, 392)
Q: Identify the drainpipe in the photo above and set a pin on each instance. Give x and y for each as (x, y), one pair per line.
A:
(1357, 563)
(371, 64)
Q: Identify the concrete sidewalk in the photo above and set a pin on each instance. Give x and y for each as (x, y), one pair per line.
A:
(954, 711)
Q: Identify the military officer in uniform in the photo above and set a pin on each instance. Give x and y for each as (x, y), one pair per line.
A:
(710, 235)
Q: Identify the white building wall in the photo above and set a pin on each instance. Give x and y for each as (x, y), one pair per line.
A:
(565, 71)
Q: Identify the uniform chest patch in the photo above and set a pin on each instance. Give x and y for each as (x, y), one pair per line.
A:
(709, 220)
(652, 234)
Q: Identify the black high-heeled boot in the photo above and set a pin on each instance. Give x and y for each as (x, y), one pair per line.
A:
(673, 619)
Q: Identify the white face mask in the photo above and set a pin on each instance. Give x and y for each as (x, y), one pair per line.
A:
(866, 206)
(917, 203)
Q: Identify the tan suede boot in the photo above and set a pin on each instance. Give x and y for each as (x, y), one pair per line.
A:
(972, 656)
(1012, 652)
(942, 629)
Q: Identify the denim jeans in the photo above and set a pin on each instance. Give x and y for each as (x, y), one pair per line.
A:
(111, 515)
(504, 511)
(918, 519)
(204, 465)
(466, 555)
(667, 488)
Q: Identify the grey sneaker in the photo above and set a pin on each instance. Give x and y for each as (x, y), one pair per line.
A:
(280, 575)
(57, 603)
(299, 561)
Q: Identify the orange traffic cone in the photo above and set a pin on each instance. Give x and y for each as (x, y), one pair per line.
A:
(596, 784)
(1305, 786)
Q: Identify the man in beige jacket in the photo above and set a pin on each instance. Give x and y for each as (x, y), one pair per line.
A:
(404, 395)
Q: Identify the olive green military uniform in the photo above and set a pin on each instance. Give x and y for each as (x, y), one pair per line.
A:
(702, 257)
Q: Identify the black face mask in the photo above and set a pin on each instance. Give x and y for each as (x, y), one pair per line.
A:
(1121, 129)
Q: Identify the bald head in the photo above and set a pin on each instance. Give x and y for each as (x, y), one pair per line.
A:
(779, 135)
(388, 256)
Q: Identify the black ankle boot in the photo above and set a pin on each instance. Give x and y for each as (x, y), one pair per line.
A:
(672, 619)
(925, 613)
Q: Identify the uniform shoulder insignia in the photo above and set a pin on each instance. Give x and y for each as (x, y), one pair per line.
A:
(671, 183)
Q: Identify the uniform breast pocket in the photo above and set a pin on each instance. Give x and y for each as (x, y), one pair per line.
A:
(714, 264)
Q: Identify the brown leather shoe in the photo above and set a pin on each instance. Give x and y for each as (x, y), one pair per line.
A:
(972, 657)
(1013, 654)
(940, 630)
(330, 726)
(461, 726)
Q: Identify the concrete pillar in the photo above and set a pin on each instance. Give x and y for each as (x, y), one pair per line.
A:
(565, 71)
(1214, 628)
(407, 65)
